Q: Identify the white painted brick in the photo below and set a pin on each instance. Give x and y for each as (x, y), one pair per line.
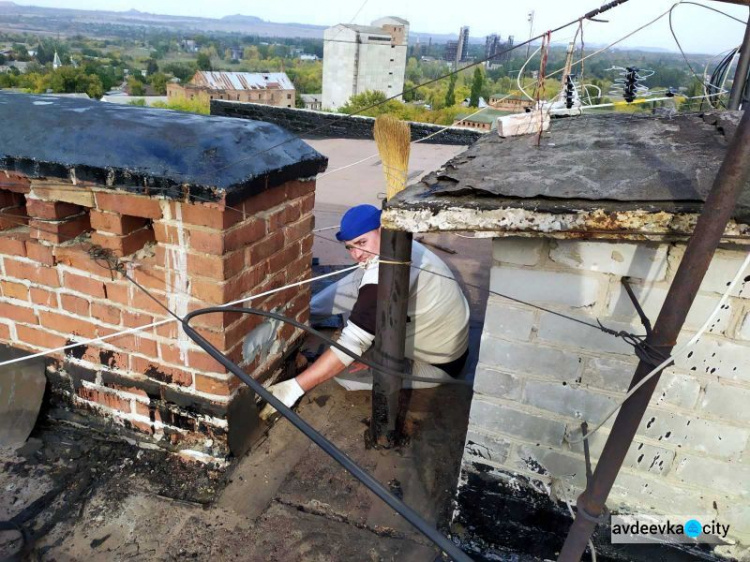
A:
(518, 250)
(651, 300)
(485, 447)
(504, 419)
(723, 268)
(712, 474)
(529, 359)
(727, 402)
(562, 331)
(689, 432)
(743, 332)
(633, 493)
(609, 373)
(550, 462)
(677, 389)
(504, 321)
(720, 358)
(566, 400)
(495, 383)
(643, 261)
(545, 287)
(640, 456)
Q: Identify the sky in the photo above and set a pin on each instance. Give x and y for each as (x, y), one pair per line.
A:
(698, 29)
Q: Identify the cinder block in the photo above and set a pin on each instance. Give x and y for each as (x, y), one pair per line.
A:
(608, 373)
(504, 419)
(640, 456)
(713, 474)
(720, 358)
(518, 250)
(677, 389)
(728, 402)
(545, 287)
(643, 261)
(651, 300)
(565, 400)
(569, 334)
(529, 358)
(550, 462)
(484, 447)
(495, 383)
(743, 332)
(723, 268)
(690, 432)
(638, 493)
(504, 321)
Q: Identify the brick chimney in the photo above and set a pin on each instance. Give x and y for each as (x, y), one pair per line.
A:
(200, 210)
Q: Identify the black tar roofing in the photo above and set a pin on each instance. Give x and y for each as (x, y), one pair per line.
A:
(587, 163)
(153, 151)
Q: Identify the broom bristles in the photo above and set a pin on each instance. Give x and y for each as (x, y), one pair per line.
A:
(393, 139)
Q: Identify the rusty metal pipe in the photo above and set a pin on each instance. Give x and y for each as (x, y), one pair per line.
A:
(740, 74)
(390, 334)
(717, 211)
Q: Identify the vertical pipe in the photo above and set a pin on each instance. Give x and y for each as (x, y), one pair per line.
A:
(390, 334)
(717, 211)
(740, 74)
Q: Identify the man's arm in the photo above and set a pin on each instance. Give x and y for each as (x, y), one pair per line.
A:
(326, 367)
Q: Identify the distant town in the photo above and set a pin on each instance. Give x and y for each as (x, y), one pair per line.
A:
(349, 69)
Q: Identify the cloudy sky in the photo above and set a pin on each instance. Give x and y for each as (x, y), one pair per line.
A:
(698, 29)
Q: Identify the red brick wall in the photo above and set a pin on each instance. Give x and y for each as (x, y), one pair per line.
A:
(188, 255)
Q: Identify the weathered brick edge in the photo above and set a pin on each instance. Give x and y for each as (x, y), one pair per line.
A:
(335, 125)
(189, 256)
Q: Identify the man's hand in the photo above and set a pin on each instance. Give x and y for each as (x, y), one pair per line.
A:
(288, 392)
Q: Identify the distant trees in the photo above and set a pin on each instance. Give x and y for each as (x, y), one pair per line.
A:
(476, 88)
(450, 95)
(204, 61)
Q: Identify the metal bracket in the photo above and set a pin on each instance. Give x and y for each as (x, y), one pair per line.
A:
(586, 453)
(642, 315)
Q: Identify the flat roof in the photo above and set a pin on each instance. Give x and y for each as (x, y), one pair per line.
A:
(608, 172)
(148, 151)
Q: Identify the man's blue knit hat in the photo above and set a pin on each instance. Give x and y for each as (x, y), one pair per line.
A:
(358, 220)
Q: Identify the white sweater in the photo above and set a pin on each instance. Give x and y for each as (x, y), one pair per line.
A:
(437, 330)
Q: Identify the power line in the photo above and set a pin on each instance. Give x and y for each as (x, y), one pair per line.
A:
(588, 15)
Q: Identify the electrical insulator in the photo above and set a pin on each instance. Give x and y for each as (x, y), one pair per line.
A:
(569, 91)
(631, 84)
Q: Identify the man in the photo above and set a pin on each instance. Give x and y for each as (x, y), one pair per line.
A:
(437, 332)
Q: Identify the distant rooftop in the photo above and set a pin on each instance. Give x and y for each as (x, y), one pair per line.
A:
(486, 116)
(150, 151)
(371, 29)
(606, 172)
(244, 80)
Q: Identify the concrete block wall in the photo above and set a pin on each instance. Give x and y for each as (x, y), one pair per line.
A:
(540, 376)
(189, 255)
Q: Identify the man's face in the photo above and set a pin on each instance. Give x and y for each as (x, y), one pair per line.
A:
(365, 247)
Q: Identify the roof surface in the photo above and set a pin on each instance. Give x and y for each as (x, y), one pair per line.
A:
(245, 80)
(487, 116)
(587, 163)
(371, 29)
(151, 151)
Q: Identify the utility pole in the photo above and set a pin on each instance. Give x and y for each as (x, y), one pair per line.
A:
(740, 74)
(530, 19)
(717, 211)
(390, 334)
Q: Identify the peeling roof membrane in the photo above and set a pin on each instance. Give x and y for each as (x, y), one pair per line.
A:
(609, 163)
(149, 151)
(246, 80)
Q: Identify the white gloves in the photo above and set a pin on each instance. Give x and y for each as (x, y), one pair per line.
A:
(288, 392)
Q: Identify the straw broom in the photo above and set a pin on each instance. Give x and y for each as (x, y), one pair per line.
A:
(393, 139)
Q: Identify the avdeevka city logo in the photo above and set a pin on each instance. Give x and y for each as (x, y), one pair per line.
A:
(693, 528)
(635, 529)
